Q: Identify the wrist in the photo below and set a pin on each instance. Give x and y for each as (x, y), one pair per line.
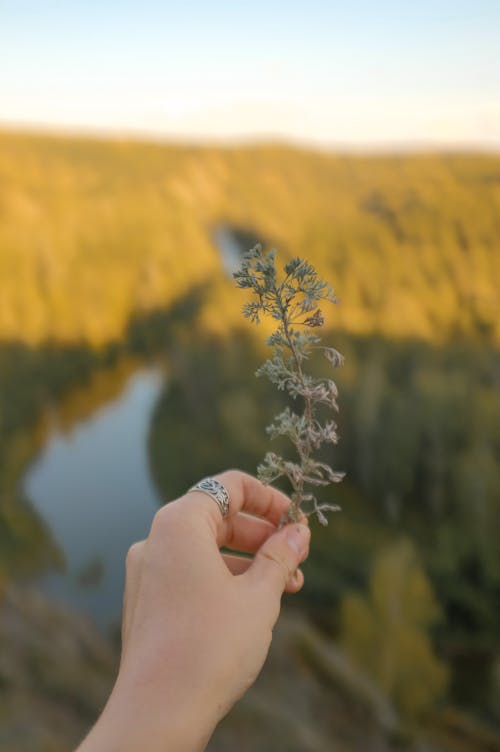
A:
(144, 719)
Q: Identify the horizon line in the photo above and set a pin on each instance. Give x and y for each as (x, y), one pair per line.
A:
(138, 135)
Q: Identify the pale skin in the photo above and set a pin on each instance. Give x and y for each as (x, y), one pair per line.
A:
(197, 624)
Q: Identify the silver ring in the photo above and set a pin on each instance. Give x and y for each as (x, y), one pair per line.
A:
(216, 491)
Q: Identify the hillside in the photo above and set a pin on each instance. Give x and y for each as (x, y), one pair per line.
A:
(309, 698)
(92, 231)
(109, 261)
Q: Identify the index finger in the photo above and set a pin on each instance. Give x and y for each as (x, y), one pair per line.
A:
(246, 494)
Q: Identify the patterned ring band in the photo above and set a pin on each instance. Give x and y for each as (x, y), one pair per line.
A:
(216, 491)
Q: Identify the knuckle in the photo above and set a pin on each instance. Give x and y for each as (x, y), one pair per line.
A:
(133, 555)
(162, 518)
(169, 518)
(232, 474)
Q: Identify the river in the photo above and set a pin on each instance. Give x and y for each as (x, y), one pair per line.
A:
(92, 487)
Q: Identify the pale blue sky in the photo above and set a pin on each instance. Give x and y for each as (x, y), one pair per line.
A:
(355, 73)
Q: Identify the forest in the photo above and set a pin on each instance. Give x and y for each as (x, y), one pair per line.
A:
(410, 242)
(109, 256)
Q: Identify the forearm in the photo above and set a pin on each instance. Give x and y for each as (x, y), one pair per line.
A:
(144, 720)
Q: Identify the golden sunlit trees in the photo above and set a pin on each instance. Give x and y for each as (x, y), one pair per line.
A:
(386, 631)
(92, 231)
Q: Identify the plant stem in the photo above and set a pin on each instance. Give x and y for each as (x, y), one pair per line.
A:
(304, 452)
(291, 302)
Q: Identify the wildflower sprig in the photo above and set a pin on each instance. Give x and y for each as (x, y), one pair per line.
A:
(293, 301)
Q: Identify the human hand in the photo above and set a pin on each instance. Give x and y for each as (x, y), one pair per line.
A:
(197, 624)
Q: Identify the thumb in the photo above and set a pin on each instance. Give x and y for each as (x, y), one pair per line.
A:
(279, 556)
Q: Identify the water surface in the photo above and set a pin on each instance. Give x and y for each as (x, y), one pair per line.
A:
(93, 488)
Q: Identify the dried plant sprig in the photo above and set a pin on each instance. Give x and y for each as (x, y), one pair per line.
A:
(293, 302)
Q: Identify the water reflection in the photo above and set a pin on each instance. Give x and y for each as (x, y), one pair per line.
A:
(93, 488)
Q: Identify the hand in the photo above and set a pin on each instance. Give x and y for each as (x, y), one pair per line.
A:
(197, 624)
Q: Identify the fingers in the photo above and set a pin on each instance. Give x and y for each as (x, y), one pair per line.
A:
(296, 582)
(239, 565)
(247, 494)
(236, 564)
(277, 559)
(242, 532)
(250, 495)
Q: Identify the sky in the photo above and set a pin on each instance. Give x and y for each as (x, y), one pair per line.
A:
(355, 73)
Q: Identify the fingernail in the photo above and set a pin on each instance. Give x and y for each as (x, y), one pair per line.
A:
(297, 537)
